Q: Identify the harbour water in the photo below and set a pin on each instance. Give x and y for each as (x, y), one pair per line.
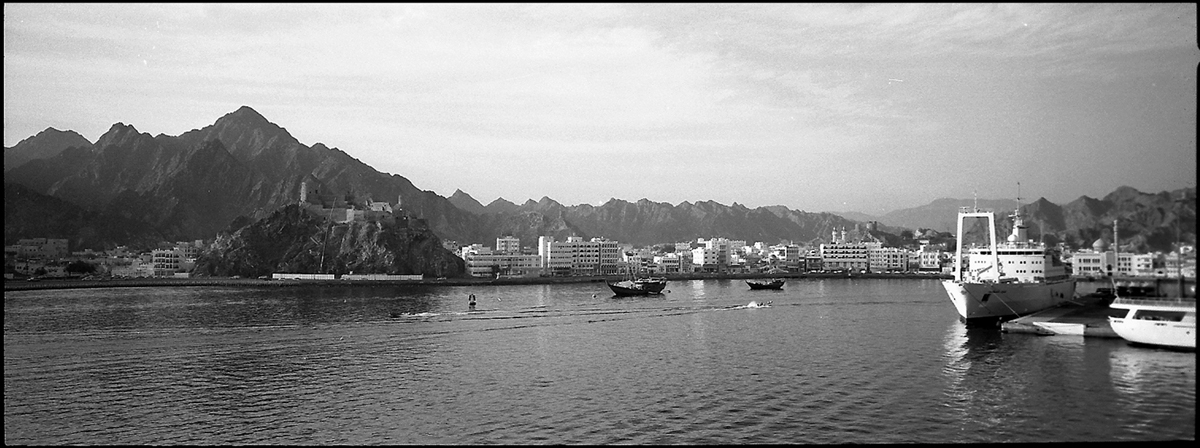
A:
(830, 361)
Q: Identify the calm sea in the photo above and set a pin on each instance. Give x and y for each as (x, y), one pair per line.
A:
(830, 361)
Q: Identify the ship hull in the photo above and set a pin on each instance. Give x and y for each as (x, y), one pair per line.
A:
(639, 288)
(765, 285)
(1157, 322)
(1161, 334)
(993, 302)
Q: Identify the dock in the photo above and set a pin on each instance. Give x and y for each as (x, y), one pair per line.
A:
(1086, 316)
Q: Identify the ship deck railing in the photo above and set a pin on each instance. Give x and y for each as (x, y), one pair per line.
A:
(1156, 301)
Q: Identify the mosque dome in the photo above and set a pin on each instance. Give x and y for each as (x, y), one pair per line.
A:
(1100, 245)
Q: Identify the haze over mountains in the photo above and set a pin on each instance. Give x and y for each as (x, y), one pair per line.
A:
(243, 168)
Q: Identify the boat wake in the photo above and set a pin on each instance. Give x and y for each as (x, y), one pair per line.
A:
(753, 304)
(568, 314)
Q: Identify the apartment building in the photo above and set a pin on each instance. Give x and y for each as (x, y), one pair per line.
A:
(848, 256)
(573, 257)
(482, 261)
(887, 259)
(508, 245)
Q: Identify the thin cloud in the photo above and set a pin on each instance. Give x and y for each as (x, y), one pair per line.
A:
(418, 89)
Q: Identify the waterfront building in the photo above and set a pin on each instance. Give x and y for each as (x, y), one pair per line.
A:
(1100, 261)
(929, 258)
(887, 259)
(812, 261)
(576, 257)
(793, 255)
(639, 261)
(713, 257)
(667, 263)
(482, 261)
(844, 256)
(166, 262)
(1178, 262)
(555, 258)
(178, 259)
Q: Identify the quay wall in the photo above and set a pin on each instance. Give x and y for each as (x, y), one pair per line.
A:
(330, 280)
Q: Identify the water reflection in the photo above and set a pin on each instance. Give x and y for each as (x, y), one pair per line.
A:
(1152, 384)
(832, 361)
(980, 395)
(1137, 370)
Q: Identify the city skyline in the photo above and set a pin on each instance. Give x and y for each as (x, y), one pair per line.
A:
(867, 108)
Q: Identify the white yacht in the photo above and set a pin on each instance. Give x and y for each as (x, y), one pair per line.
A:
(1005, 280)
(1160, 321)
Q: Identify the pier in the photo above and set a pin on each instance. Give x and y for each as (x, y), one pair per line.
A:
(1087, 315)
(1083, 316)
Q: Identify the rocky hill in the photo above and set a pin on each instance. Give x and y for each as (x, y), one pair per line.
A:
(292, 240)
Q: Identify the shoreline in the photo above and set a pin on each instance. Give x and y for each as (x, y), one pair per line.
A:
(21, 285)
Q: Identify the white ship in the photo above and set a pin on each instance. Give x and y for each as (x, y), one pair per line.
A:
(1161, 321)
(1005, 280)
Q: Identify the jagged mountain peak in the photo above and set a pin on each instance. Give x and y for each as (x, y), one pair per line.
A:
(46, 144)
(51, 133)
(501, 205)
(247, 118)
(245, 114)
(1125, 193)
(246, 134)
(466, 203)
(120, 134)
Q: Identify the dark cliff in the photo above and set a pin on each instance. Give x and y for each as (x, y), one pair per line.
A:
(293, 240)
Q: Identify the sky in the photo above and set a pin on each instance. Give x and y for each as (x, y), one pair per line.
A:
(816, 107)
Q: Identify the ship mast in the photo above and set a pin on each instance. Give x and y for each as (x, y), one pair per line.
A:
(1178, 245)
(1116, 252)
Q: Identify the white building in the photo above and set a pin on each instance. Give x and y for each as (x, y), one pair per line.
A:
(887, 259)
(176, 260)
(481, 261)
(1099, 262)
(508, 245)
(848, 256)
(668, 263)
(713, 257)
(573, 257)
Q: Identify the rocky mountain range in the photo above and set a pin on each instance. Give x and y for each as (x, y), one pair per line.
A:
(243, 168)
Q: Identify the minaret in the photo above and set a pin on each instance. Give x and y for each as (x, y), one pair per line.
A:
(303, 191)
